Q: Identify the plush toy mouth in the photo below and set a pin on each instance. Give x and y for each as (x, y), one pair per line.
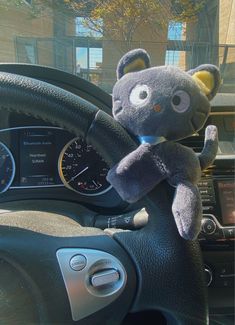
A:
(157, 108)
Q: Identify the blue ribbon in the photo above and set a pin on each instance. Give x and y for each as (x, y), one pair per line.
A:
(150, 139)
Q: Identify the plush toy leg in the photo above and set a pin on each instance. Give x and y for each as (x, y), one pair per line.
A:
(137, 174)
(187, 210)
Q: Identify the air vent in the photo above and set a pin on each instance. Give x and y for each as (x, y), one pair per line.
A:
(195, 142)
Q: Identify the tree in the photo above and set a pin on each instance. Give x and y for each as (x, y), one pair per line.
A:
(6, 4)
(119, 19)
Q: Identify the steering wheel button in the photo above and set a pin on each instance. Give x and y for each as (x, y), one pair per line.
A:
(78, 262)
(105, 277)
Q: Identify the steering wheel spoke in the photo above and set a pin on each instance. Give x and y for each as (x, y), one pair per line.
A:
(169, 268)
(63, 291)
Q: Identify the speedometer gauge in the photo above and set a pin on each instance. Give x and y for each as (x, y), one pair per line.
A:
(7, 168)
(82, 169)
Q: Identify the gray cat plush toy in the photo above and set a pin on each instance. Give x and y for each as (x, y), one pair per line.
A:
(158, 106)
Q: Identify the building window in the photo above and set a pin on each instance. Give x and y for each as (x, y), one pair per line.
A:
(26, 50)
(176, 58)
(95, 58)
(82, 30)
(176, 55)
(88, 58)
(176, 31)
(88, 63)
(81, 58)
(172, 57)
(30, 53)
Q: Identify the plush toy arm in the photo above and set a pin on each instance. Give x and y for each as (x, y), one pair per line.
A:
(208, 154)
(137, 173)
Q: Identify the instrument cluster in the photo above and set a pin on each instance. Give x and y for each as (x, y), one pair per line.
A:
(44, 156)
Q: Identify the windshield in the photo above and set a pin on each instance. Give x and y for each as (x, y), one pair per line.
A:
(88, 37)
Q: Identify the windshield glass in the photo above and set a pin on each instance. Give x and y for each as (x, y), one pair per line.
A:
(88, 37)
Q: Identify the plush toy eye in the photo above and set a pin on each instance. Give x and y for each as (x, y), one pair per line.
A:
(180, 101)
(139, 95)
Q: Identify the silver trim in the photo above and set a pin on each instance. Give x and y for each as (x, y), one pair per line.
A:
(222, 113)
(227, 275)
(13, 167)
(220, 157)
(31, 127)
(84, 298)
(218, 224)
(208, 270)
(36, 186)
(64, 180)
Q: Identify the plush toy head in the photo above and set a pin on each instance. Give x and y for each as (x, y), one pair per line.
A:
(162, 101)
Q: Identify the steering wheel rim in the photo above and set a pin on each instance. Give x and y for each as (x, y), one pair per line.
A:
(152, 249)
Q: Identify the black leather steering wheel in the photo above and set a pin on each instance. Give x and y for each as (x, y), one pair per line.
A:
(162, 271)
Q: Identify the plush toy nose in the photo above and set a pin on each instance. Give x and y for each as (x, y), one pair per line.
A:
(157, 108)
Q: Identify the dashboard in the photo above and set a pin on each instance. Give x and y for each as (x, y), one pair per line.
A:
(43, 161)
(40, 162)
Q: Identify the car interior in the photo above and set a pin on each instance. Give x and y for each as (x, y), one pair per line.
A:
(71, 250)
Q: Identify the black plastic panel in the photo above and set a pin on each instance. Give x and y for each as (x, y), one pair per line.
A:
(221, 290)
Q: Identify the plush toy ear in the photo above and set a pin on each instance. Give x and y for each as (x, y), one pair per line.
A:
(207, 76)
(134, 60)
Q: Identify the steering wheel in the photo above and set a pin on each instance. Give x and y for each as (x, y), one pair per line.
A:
(65, 273)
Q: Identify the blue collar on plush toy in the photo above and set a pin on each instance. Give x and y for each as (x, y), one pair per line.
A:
(150, 139)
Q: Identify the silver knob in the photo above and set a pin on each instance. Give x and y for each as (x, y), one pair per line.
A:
(208, 226)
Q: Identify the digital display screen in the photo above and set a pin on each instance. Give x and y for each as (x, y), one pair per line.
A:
(227, 201)
(37, 160)
(229, 123)
(226, 127)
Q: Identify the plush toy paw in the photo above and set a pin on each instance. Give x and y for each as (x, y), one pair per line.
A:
(211, 133)
(208, 154)
(187, 210)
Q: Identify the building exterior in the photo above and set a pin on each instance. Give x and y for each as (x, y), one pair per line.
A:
(55, 39)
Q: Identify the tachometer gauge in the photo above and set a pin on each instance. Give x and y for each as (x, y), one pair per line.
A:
(82, 169)
(7, 168)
